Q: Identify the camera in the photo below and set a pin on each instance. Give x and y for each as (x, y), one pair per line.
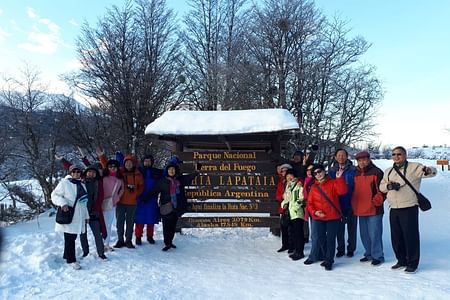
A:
(312, 148)
(393, 186)
(130, 188)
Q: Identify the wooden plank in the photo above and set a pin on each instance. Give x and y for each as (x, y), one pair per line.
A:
(233, 180)
(235, 207)
(224, 156)
(222, 222)
(230, 193)
(231, 168)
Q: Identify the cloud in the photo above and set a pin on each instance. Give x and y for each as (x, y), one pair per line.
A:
(3, 34)
(31, 13)
(74, 23)
(44, 41)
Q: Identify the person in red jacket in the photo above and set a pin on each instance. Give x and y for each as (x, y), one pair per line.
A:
(323, 207)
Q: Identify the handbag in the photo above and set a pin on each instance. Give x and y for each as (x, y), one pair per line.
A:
(424, 203)
(166, 208)
(285, 218)
(65, 217)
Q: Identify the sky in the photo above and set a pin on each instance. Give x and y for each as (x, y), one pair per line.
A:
(410, 50)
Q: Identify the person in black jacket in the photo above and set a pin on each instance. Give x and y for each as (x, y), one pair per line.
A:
(172, 200)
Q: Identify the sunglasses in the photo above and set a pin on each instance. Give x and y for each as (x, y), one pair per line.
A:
(318, 172)
(397, 154)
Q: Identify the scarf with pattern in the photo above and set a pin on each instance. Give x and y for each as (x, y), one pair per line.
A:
(174, 190)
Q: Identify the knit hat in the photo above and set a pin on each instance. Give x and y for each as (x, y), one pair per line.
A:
(298, 153)
(362, 154)
(92, 167)
(75, 167)
(113, 162)
(318, 167)
(171, 165)
(285, 166)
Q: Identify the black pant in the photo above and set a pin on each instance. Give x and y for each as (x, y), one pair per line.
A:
(169, 223)
(286, 236)
(125, 213)
(69, 247)
(405, 235)
(298, 236)
(351, 221)
(326, 233)
(95, 228)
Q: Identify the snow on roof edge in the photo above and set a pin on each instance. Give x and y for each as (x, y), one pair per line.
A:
(222, 122)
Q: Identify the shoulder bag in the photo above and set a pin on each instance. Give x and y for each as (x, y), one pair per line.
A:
(329, 201)
(65, 217)
(424, 203)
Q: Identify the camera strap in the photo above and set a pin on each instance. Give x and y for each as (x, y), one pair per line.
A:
(406, 180)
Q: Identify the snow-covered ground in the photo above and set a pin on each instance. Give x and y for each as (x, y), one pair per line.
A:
(224, 264)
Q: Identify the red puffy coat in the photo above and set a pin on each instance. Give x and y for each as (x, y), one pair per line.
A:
(316, 202)
(367, 200)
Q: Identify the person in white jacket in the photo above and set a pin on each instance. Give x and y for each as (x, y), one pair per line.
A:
(404, 212)
(64, 195)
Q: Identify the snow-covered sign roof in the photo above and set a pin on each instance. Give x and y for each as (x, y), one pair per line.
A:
(222, 122)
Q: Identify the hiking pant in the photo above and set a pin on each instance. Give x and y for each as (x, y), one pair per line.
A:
(352, 223)
(125, 214)
(169, 223)
(94, 224)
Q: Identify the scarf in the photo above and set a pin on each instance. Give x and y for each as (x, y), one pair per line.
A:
(174, 190)
(81, 192)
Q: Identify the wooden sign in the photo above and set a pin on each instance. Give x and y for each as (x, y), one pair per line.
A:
(230, 193)
(442, 162)
(241, 180)
(235, 207)
(217, 222)
(223, 156)
(231, 167)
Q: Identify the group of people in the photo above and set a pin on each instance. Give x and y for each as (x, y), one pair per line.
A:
(337, 200)
(118, 189)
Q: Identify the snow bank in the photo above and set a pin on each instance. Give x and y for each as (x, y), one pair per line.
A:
(223, 264)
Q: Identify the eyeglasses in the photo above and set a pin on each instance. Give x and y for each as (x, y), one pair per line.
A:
(397, 154)
(112, 167)
(76, 171)
(317, 172)
(310, 169)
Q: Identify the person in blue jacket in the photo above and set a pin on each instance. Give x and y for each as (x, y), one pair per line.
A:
(341, 162)
(147, 212)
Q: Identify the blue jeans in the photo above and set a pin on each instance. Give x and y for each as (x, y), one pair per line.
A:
(371, 231)
(323, 240)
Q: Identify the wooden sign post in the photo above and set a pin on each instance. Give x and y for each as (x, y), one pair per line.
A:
(442, 163)
(247, 177)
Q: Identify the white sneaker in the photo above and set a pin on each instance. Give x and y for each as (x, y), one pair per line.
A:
(75, 265)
